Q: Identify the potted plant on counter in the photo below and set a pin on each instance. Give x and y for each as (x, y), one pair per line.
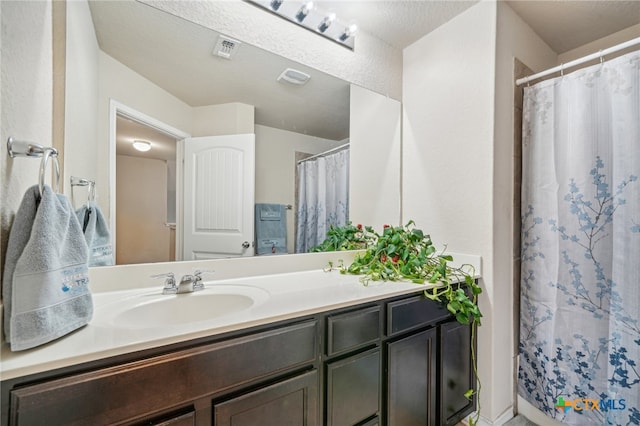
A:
(407, 253)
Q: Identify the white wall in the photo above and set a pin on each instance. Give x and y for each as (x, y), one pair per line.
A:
(141, 234)
(448, 96)
(81, 96)
(374, 174)
(514, 39)
(602, 43)
(458, 162)
(224, 119)
(448, 131)
(373, 64)
(120, 83)
(276, 166)
(26, 96)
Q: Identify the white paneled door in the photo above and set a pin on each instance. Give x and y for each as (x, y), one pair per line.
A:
(218, 196)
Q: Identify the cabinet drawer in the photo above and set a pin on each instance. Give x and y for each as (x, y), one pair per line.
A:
(137, 389)
(413, 312)
(350, 330)
(184, 419)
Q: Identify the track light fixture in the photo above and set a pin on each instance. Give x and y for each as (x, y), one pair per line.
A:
(326, 22)
(348, 32)
(307, 15)
(303, 12)
(275, 4)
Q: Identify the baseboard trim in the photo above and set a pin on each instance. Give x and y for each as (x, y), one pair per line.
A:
(499, 421)
(536, 416)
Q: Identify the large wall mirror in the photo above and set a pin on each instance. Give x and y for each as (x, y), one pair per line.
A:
(157, 71)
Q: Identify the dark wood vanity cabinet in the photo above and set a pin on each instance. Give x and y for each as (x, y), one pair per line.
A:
(456, 372)
(353, 365)
(400, 362)
(403, 362)
(290, 402)
(412, 380)
(148, 390)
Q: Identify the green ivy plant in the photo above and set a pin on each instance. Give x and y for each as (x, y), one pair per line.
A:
(407, 253)
(347, 237)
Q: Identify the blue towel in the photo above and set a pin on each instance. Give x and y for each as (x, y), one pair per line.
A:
(45, 287)
(271, 229)
(96, 234)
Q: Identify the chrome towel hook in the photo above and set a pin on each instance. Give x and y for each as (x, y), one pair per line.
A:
(18, 148)
(49, 152)
(25, 149)
(78, 181)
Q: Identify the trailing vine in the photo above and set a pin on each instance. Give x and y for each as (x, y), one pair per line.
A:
(407, 253)
(347, 237)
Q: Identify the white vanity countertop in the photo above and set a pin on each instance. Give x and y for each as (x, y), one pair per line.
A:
(289, 295)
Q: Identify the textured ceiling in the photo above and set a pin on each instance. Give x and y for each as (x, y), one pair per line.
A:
(398, 22)
(562, 24)
(565, 25)
(160, 47)
(176, 55)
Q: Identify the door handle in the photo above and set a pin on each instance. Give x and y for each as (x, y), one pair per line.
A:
(246, 244)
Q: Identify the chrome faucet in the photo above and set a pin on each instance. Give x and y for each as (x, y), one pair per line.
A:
(188, 283)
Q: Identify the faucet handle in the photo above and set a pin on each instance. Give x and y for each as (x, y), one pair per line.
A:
(169, 282)
(197, 274)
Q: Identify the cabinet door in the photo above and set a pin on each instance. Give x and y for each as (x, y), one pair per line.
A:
(353, 389)
(457, 372)
(292, 402)
(411, 380)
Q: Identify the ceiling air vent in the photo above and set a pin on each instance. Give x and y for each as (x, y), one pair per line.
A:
(226, 47)
(294, 76)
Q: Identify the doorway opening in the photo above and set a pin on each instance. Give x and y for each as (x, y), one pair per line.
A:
(145, 187)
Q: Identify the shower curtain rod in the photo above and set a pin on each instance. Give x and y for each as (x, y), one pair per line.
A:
(338, 148)
(562, 67)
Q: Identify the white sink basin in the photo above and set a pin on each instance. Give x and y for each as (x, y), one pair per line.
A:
(151, 309)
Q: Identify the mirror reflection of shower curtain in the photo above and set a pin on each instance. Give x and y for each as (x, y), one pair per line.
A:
(323, 197)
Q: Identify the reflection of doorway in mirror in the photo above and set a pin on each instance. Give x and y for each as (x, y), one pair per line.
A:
(219, 194)
(145, 194)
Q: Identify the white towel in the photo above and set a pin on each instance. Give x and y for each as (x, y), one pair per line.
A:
(45, 287)
(96, 234)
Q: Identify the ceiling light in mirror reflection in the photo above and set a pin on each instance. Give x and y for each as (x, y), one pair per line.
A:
(142, 146)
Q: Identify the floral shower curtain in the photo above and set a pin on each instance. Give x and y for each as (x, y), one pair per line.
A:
(580, 285)
(323, 198)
